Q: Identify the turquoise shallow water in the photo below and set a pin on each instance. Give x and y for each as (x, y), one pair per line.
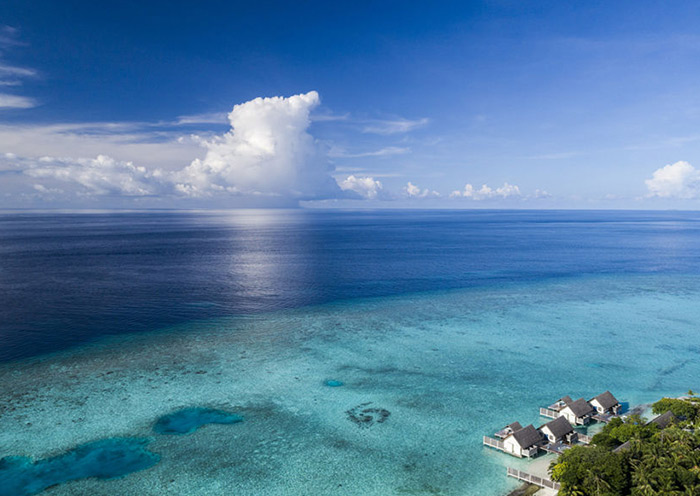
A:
(433, 372)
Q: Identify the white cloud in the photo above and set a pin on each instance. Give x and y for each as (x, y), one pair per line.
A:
(268, 154)
(366, 187)
(268, 151)
(125, 141)
(10, 70)
(206, 118)
(394, 126)
(413, 191)
(541, 194)
(329, 117)
(11, 75)
(678, 180)
(382, 152)
(486, 192)
(99, 176)
(15, 101)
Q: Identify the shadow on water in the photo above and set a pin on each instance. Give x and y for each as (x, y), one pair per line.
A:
(189, 420)
(104, 459)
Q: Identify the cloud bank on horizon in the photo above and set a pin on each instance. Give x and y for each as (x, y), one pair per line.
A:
(268, 152)
(269, 155)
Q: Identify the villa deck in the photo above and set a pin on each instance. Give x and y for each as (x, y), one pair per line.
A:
(556, 448)
(493, 443)
(547, 412)
(605, 418)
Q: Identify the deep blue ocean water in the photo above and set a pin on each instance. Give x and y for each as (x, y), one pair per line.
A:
(368, 352)
(66, 279)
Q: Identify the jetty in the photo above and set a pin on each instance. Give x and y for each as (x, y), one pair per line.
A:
(532, 479)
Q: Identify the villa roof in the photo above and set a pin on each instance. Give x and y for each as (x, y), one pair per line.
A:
(580, 407)
(559, 427)
(566, 399)
(663, 420)
(527, 436)
(515, 426)
(606, 400)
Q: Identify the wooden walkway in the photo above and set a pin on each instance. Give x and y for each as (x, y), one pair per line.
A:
(533, 479)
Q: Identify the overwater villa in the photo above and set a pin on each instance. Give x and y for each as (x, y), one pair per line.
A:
(558, 434)
(525, 442)
(559, 430)
(606, 403)
(580, 412)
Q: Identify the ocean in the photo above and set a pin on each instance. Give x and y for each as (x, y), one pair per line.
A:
(324, 352)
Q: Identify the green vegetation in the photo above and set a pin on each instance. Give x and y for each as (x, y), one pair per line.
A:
(650, 460)
(684, 409)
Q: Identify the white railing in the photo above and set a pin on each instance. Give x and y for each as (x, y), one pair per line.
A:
(546, 412)
(494, 443)
(582, 438)
(533, 479)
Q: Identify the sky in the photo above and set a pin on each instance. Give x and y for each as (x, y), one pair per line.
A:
(470, 104)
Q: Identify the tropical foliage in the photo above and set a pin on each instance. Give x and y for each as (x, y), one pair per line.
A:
(633, 457)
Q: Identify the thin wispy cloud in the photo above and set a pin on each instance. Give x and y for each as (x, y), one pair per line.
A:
(10, 70)
(8, 101)
(382, 152)
(553, 156)
(205, 118)
(329, 117)
(394, 126)
(12, 75)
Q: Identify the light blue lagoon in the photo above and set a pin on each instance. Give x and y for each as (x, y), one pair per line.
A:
(449, 367)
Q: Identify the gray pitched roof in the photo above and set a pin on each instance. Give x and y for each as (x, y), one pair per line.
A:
(567, 399)
(527, 436)
(663, 420)
(606, 400)
(560, 427)
(515, 426)
(580, 407)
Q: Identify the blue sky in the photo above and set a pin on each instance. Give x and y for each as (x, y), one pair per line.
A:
(382, 104)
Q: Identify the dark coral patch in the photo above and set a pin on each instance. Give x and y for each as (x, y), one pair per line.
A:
(104, 459)
(189, 420)
(367, 417)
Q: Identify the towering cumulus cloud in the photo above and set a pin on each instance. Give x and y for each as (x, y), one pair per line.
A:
(268, 151)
